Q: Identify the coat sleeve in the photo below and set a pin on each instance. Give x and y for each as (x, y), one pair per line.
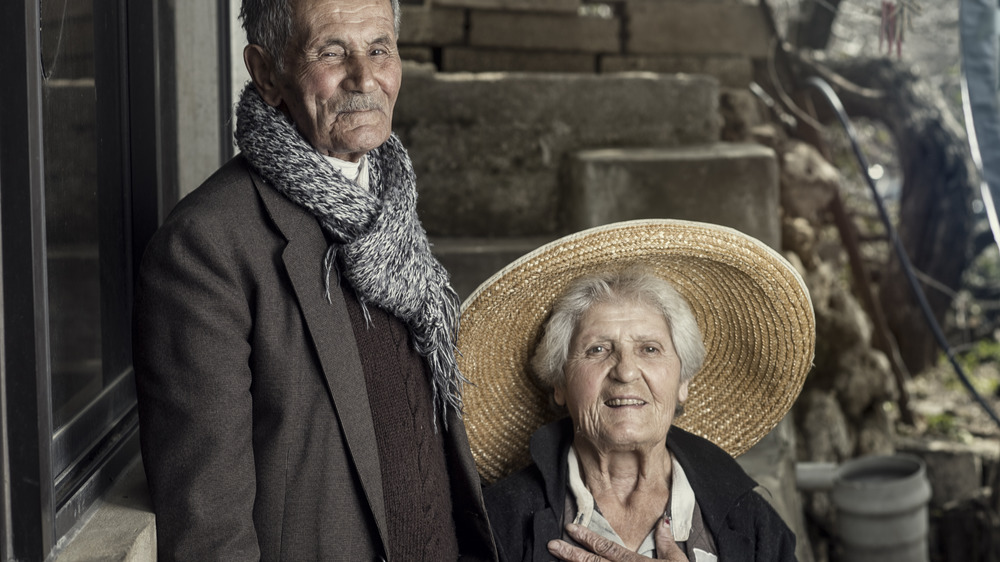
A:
(508, 520)
(774, 541)
(522, 520)
(191, 327)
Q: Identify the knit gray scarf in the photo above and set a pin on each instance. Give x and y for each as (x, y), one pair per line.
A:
(379, 245)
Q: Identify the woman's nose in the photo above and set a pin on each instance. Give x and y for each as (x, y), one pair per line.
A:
(626, 368)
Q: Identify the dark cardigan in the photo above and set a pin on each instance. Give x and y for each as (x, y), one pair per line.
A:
(526, 508)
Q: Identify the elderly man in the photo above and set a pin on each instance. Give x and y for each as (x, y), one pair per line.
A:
(298, 393)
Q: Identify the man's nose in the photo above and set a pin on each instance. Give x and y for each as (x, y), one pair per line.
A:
(360, 74)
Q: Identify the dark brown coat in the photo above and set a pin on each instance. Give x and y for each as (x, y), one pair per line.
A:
(256, 430)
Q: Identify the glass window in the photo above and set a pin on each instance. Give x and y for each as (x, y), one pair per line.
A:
(78, 131)
(71, 206)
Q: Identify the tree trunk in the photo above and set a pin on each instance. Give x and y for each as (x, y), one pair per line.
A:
(814, 24)
(935, 218)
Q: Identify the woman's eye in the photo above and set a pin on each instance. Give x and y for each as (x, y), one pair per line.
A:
(596, 349)
(650, 349)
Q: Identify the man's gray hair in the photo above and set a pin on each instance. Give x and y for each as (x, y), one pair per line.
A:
(268, 23)
(631, 285)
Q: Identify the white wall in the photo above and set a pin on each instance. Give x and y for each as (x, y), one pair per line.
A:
(197, 87)
(237, 40)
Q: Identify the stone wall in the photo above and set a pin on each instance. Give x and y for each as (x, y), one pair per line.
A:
(490, 150)
(844, 409)
(717, 38)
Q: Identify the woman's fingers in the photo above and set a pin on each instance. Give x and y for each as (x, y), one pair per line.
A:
(599, 549)
(666, 547)
(566, 552)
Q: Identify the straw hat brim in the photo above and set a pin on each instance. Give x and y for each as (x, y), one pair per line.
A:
(751, 305)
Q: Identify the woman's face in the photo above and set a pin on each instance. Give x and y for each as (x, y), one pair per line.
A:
(622, 377)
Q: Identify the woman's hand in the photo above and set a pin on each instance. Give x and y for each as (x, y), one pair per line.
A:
(605, 550)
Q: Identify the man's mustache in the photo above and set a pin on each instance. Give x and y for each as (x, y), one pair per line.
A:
(360, 102)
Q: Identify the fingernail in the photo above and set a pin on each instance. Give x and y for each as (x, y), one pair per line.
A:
(666, 520)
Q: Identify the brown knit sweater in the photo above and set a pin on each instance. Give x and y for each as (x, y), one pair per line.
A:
(415, 479)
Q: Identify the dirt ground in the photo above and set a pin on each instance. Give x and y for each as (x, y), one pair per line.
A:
(945, 410)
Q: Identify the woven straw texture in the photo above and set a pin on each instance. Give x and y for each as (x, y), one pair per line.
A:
(752, 307)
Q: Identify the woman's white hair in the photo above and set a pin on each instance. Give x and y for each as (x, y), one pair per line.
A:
(632, 285)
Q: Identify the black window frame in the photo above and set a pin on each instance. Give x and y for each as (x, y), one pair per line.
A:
(53, 476)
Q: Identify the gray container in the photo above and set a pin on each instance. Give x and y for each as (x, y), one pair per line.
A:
(882, 509)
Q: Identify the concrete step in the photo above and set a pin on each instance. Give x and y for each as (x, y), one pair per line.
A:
(735, 185)
(426, 26)
(567, 6)
(544, 31)
(470, 261)
(680, 27)
(489, 149)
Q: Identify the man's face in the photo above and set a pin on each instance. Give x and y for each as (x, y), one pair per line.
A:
(342, 74)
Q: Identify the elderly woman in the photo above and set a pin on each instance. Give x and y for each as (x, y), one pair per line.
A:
(621, 353)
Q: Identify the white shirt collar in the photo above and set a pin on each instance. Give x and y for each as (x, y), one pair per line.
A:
(682, 503)
(354, 171)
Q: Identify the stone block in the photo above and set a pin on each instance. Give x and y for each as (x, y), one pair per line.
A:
(488, 148)
(551, 32)
(565, 6)
(742, 113)
(122, 527)
(416, 54)
(864, 380)
(682, 27)
(825, 436)
(955, 470)
(464, 59)
(730, 71)
(809, 182)
(423, 25)
(735, 185)
(470, 261)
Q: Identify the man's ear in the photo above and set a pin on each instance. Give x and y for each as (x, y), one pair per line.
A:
(263, 73)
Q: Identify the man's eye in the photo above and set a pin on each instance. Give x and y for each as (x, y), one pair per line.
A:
(379, 51)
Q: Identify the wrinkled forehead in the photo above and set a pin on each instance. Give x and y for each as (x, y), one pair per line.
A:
(308, 13)
(640, 309)
(618, 298)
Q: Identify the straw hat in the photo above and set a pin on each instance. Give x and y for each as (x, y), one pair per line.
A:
(751, 305)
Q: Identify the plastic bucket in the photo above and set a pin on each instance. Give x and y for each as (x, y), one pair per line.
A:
(881, 506)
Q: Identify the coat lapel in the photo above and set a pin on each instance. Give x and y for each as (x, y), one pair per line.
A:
(330, 328)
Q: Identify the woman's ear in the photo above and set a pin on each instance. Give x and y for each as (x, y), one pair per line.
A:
(263, 73)
(682, 392)
(559, 395)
